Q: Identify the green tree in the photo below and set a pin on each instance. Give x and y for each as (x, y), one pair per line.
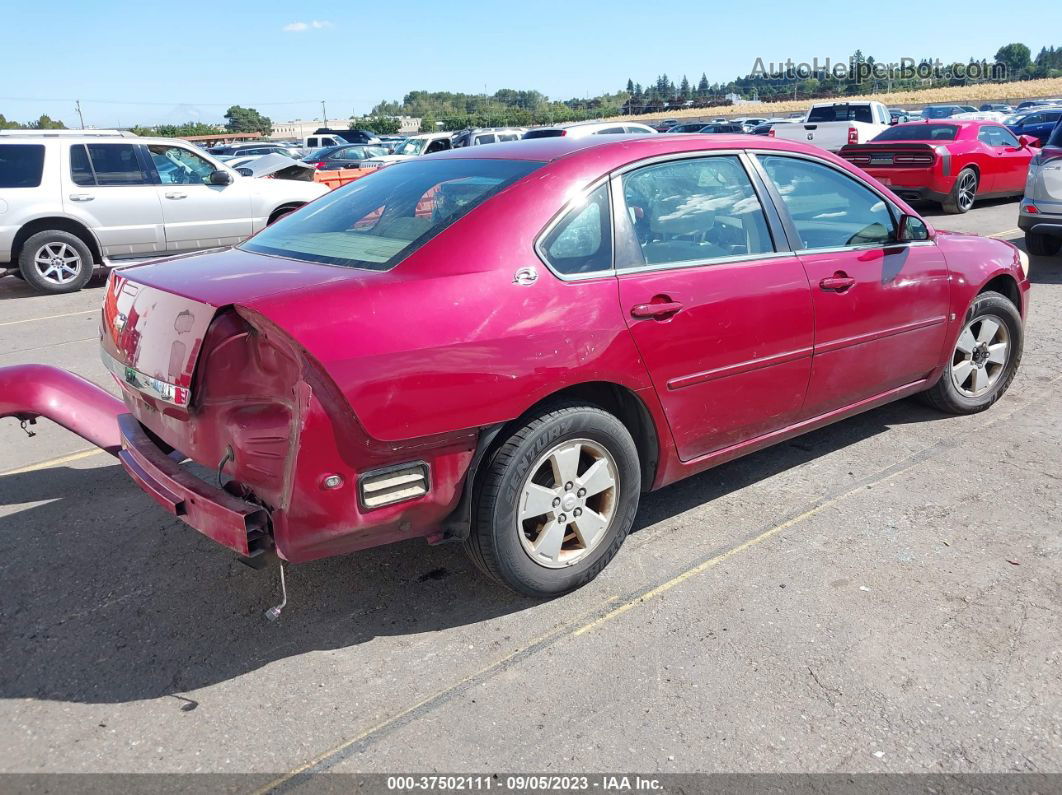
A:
(46, 122)
(684, 88)
(381, 125)
(702, 86)
(246, 120)
(1017, 58)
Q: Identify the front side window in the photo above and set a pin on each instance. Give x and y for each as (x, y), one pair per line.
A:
(179, 166)
(997, 136)
(486, 139)
(21, 165)
(379, 220)
(694, 210)
(582, 242)
(106, 164)
(829, 209)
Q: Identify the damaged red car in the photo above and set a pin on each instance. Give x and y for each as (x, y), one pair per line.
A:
(507, 346)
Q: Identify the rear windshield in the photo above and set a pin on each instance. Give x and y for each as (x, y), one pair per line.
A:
(841, 113)
(941, 112)
(543, 134)
(379, 220)
(21, 165)
(918, 132)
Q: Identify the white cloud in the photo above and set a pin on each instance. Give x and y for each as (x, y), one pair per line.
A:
(301, 27)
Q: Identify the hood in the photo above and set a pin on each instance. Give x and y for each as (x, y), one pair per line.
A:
(279, 166)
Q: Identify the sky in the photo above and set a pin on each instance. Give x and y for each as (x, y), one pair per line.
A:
(148, 63)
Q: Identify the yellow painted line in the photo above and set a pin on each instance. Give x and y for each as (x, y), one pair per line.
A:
(392, 719)
(1008, 232)
(65, 459)
(48, 317)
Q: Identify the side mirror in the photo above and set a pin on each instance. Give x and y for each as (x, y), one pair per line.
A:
(911, 229)
(220, 177)
(1028, 140)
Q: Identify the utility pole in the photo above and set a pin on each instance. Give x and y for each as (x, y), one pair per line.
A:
(77, 104)
(324, 115)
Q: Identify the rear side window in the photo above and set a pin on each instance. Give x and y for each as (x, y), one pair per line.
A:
(21, 165)
(692, 211)
(106, 164)
(543, 134)
(582, 241)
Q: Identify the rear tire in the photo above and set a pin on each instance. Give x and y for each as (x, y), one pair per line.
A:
(1042, 245)
(555, 500)
(54, 261)
(984, 360)
(963, 193)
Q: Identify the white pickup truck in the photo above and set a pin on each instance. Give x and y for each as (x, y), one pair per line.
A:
(832, 125)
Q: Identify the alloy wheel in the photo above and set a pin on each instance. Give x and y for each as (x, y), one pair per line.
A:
(58, 263)
(967, 190)
(981, 356)
(568, 502)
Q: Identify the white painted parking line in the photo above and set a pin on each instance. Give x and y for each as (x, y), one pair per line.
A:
(48, 317)
(53, 462)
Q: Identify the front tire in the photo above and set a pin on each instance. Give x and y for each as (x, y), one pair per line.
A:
(963, 193)
(54, 261)
(556, 500)
(1042, 245)
(985, 358)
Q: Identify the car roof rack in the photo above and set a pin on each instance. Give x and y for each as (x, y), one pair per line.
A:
(69, 133)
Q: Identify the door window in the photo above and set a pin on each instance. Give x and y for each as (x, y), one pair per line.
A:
(106, 164)
(611, 131)
(829, 209)
(692, 211)
(997, 136)
(582, 241)
(179, 166)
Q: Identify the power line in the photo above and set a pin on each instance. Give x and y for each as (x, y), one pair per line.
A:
(159, 104)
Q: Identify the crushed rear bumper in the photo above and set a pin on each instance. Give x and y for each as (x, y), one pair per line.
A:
(237, 524)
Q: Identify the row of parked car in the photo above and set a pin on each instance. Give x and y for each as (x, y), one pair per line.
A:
(72, 200)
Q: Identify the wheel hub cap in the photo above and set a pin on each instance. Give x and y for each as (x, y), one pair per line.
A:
(567, 503)
(981, 356)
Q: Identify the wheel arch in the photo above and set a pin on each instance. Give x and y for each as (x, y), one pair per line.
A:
(283, 207)
(1006, 285)
(61, 223)
(620, 401)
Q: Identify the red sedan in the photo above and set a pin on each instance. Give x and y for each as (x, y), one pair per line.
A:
(950, 162)
(506, 346)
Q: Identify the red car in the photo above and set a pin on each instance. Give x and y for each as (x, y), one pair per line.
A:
(507, 345)
(950, 162)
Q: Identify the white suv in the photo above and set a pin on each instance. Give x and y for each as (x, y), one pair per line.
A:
(71, 200)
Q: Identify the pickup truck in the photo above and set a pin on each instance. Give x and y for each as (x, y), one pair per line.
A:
(836, 124)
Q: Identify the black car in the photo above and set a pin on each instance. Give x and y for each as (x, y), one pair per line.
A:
(351, 136)
(345, 156)
(723, 128)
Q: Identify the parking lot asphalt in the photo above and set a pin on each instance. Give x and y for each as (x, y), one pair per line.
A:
(880, 595)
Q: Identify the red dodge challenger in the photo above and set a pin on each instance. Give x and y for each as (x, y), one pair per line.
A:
(950, 162)
(506, 346)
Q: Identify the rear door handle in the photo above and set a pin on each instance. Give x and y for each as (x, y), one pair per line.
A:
(81, 197)
(174, 194)
(658, 311)
(838, 283)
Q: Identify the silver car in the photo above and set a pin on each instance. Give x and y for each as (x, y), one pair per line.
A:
(1040, 216)
(72, 200)
(579, 129)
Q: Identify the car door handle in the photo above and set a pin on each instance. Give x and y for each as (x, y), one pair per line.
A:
(81, 197)
(657, 311)
(838, 283)
(175, 194)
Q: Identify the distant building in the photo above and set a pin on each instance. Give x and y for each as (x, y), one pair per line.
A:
(737, 99)
(299, 128)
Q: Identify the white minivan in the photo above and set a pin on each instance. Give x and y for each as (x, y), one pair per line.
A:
(71, 200)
